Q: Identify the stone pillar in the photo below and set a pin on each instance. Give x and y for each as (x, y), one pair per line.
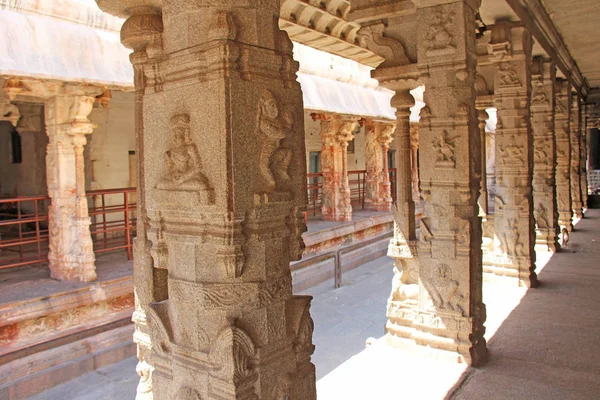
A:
(563, 154)
(71, 253)
(584, 157)
(544, 155)
(414, 161)
(402, 307)
(450, 311)
(219, 118)
(379, 135)
(575, 137)
(514, 226)
(336, 133)
(482, 117)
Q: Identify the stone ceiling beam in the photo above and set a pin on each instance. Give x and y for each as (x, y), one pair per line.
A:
(537, 20)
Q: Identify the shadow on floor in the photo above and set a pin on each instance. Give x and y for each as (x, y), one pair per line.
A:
(548, 347)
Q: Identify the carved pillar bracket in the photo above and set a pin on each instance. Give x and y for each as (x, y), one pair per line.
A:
(545, 207)
(445, 311)
(379, 135)
(562, 120)
(71, 254)
(575, 138)
(336, 133)
(513, 256)
(222, 190)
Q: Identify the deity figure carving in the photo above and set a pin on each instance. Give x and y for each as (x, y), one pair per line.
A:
(542, 216)
(274, 159)
(445, 147)
(440, 37)
(183, 160)
(510, 239)
(512, 152)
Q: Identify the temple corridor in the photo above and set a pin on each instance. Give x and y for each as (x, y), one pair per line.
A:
(542, 341)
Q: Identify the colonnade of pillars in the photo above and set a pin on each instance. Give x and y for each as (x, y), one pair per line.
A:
(222, 187)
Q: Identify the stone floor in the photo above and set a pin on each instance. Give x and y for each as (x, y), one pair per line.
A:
(543, 342)
(315, 223)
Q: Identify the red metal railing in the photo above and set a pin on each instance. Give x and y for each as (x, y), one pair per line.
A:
(315, 193)
(113, 215)
(24, 225)
(23, 231)
(357, 182)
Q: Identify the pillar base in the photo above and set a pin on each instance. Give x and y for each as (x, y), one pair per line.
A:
(341, 217)
(72, 270)
(506, 273)
(423, 340)
(546, 241)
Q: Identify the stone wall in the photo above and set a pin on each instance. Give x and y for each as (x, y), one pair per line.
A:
(28, 177)
(110, 144)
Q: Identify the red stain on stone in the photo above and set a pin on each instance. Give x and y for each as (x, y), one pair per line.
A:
(9, 333)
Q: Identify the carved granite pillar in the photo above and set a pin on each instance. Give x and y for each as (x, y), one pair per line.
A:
(563, 154)
(219, 121)
(402, 307)
(379, 135)
(336, 133)
(544, 155)
(450, 312)
(514, 226)
(71, 253)
(575, 137)
(414, 161)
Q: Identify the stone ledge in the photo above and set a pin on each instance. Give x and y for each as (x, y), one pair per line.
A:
(33, 374)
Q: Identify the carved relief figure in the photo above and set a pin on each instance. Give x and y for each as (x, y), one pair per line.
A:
(274, 159)
(445, 147)
(540, 154)
(541, 217)
(511, 153)
(440, 35)
(508, 75)
(443, 290)
(539, 97)
(183, 160)
(510, 239)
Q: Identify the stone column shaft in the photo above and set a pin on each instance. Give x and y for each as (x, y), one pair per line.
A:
(71, 253)
(336, 133)
(563, 154)
(482, 117)
(575, 137)
(544, 155)
(514, 226)
(377, 193)
(450, 311)
(403, 301)
(414, 161)
(221, 204)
